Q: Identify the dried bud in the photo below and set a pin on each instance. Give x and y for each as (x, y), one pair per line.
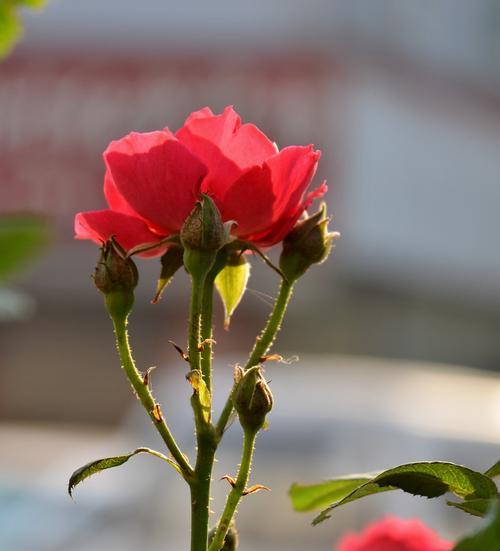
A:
(252, 398)
(230, 542)
(308, 243)
(202, 235)
(116, 277)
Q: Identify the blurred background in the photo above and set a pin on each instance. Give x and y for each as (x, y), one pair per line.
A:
(397, 334)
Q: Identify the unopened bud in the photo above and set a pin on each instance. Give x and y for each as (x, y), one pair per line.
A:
(116, 277)
(230, 542)
(252, 398)
(308, 243)
(202, 235)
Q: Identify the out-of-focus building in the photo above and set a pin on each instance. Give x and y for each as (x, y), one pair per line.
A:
(403, 99)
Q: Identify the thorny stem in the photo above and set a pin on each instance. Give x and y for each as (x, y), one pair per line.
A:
(236, 492)
(141, 388)
(261, 346)
(205, 439)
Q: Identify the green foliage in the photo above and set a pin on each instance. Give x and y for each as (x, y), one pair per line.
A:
(99, 465)
(429, 479)
(314, 497)
(476, 507)
(21, 237)
(494, 471)
(10, 22)
(231, 283)
(486, 538)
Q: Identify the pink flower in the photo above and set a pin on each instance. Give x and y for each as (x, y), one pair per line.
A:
(153, 180)
(395, 534)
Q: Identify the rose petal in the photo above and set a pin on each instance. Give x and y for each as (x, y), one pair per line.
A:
(129, 231)
(292, 170)
(225, 145)
(249, 202)
(157, 176)
(114, 198)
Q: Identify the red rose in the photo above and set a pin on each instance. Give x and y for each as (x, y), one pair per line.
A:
(153, 180)
(395, 534)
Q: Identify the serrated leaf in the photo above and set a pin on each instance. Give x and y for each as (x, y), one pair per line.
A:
(494, 471)
(313, 497)
(487, 538)
(231, 283)
(428, 479)
(21, 238)
(99, 465)
(477, 507)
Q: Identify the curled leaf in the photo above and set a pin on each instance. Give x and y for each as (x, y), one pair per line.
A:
(99, 465)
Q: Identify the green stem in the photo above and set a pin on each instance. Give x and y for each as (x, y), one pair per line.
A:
(206, 331)
(200, 316)
(145, 396)
(262, 345)
(236, 492)
(200, 490)
(195, 323)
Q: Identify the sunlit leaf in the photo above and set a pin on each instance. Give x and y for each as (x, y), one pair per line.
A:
(231, 283)
(199, 386)
(99, 465)
(314, 497)
(10, 22)
(429, 479)
(494, 471)
(10, 27)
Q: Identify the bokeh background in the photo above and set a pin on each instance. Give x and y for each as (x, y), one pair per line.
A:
(397, 334)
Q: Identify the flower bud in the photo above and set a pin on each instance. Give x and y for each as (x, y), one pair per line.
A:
(252, 398)
(230, 542)
(202, 235)
(116, 277)
(308, 243)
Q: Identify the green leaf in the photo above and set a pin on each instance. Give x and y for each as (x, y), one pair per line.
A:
(21, 237)
(494, 471)
(231, 283)
(10, 27)
(99, 465)
(171, 261)
(200, 388)
(35, 4)
(313, 497)
(429, 479)
(477, 507)
(486, 538)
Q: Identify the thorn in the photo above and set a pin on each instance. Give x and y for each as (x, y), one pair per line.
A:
(230, 479)
(182, 354)
(255, 488)
(157, 413)
(202, 344)
(147, 375)
(271, 358)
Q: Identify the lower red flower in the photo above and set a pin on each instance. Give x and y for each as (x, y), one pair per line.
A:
(395, 534)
